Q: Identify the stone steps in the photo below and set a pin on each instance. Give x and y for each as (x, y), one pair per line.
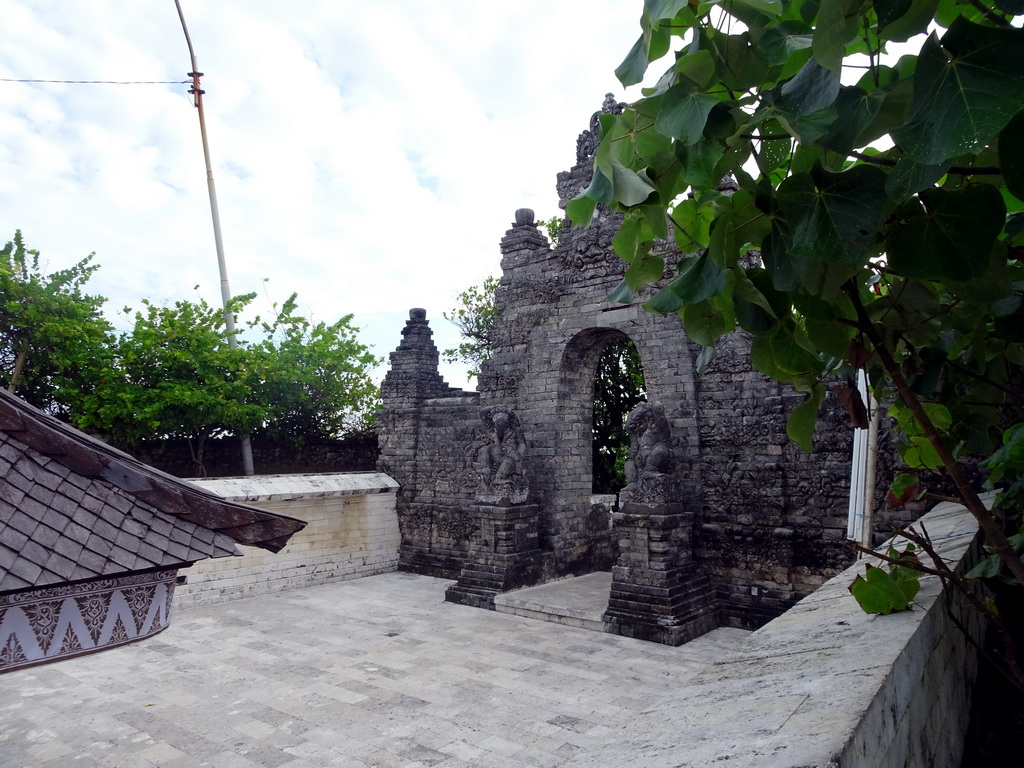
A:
(578, 601)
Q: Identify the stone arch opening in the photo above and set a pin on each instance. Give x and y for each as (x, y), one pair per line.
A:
(619, 386)
(580, 523)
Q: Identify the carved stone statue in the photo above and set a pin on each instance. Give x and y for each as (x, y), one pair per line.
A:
(499, 464)
(650, 454)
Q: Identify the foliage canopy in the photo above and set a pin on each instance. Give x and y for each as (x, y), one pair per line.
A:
(54, 340)
(174, 373)
(870, 154)
(473, 315)
(883, 195)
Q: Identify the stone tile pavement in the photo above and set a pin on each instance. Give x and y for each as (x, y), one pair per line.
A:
(378, 671)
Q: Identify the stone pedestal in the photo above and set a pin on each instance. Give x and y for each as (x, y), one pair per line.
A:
(658, 593)
(503, 554)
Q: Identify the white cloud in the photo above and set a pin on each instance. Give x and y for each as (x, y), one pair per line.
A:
(368, 156)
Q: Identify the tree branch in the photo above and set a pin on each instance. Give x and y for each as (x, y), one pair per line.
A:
(986, 520)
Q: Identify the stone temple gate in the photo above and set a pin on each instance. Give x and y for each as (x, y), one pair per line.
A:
(728, 522)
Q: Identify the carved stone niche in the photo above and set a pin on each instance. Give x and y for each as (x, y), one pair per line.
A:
(499, 463)
(649, 470)
(503, 551)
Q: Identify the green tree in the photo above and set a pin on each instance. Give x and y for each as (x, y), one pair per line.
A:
(315, 378)
(474, 316)
(54, 339)
(618, 388)
(174, 375)
(883, 196)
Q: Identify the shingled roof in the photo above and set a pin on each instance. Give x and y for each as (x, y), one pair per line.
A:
(73, 508)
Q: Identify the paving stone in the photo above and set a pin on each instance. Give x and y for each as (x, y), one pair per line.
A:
(455, 687)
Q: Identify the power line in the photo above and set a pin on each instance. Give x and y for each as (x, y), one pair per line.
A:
(99, 82)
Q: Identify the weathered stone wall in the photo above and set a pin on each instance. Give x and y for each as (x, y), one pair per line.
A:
(351, 531)
(774, 519)
(768, 520)
(429, 434)
(222, 456)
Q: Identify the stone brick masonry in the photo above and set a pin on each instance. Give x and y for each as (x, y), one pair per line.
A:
(765, 521)
(351, 531)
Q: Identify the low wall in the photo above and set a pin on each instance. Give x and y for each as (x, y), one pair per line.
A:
(222, 456)
(351, 531)
(824, 686)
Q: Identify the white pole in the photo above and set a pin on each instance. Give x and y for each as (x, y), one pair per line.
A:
(867, 528)
(862, 478)
(225, 289)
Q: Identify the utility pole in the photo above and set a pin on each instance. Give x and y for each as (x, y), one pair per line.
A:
(225, 290)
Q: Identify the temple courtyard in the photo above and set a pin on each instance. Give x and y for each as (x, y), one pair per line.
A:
(377, 671)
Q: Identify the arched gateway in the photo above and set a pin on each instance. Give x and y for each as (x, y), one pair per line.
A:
(743, 522)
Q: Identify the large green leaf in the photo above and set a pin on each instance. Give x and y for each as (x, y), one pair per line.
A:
(699, 161)
(879, 592)
(753, 12)
(692, 224)
(741, 66)
(950, 236)
(965, 91)
(652, 45)
(1011, 155)
(646, 268)
(807, 129)
(628, 238)
(901, 27)
(685, 113)
(708, 320)
(633, 68)
(836, 25)
(659, 10)
(802, 419)
(628, 187)
(746, 226)
(834, 216)
(698, 67)
(782, 357)
(753, 311)
(783, 40)
(774, 148)
(889, 11)
(908, 178)
(699, 278)
(581, 208)
(858, 109)
(812, 89)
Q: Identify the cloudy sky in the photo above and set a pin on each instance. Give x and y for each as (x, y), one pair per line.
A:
(369, 156)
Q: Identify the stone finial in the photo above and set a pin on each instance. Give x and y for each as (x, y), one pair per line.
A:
(499, 464)
(524, 218)
(648, 470)
(414, 375)
(586, 144)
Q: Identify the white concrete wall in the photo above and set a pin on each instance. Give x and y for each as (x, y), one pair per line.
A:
(823, 686)
(351, 531)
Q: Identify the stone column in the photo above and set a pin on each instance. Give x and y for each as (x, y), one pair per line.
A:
(658, 593)
(503, 554)
(503, 551)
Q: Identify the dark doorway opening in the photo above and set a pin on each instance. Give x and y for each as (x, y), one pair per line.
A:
(618, 388)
